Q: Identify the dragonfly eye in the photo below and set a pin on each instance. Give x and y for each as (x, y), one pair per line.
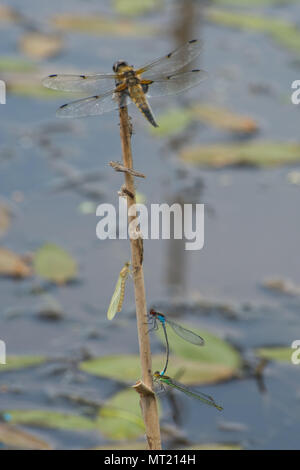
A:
(118, 64)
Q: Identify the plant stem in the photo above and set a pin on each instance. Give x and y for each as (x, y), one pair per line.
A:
(147, 401)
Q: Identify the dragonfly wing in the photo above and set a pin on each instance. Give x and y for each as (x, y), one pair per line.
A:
(186, 334)
(115, 300)
(81, 83)
(171, 62)
(92, 106)
(176, 83)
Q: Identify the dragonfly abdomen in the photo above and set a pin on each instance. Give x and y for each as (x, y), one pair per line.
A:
(138, 97)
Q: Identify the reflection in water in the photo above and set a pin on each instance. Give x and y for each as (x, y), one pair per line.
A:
(186, 22)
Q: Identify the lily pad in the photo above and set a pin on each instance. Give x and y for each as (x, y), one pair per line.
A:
(54, 264)
(136, 7)
(5, 219)
(127, 367)
(97, 24)
(215, 360)
(212, 446)
(120, 418)
(224, 119)
(262, 153)
(15, 64)
(20, 362)
(8, 14)
(39, 45)
(51, 419)
(282, 31)
(13, 265)
(278, 353)
(14, 437)
(172, 122)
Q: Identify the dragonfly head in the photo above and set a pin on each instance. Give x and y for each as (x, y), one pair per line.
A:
(118, 65)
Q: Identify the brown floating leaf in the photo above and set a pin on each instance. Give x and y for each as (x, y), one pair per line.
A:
(224, 119)
(283, 286)
(13, 265)
(8, 14)
(40, 46)
(14, 437)
(97, 24)
(5, 219)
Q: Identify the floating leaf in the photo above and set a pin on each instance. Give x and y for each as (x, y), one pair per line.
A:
(39, 45)
(120, 418)
(282, 286)
(11, 436)
(54, 264)
(279, 353)
(97, 24)
(8, 14)
(12, 265)
(215, 353)
(51, 419)
(5, 219)
(15, 64)
(127, 368)
(173, 121)
(283, 32)
(140, 198)
(131, 445)
(136, 7)
(32, 88)
(215, 446)
(224, 119)
(263, 153)
(20, 362)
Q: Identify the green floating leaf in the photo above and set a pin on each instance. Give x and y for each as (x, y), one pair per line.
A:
(279, 353)
(120, 418)
(131, 445)
(126, 368)
(283, 32)
(15, 64)
(11, 436)
(213, 446)
(136, 7)
(54, 264)
(263, 153)
(51, 419)
(97, 24)
(172, 121)
(20, 362)
(215, 361)
(32, 89)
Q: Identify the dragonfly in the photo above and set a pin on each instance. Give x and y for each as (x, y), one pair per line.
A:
(117, 299)
(166, 380)
(188, 335)
(163, 76)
